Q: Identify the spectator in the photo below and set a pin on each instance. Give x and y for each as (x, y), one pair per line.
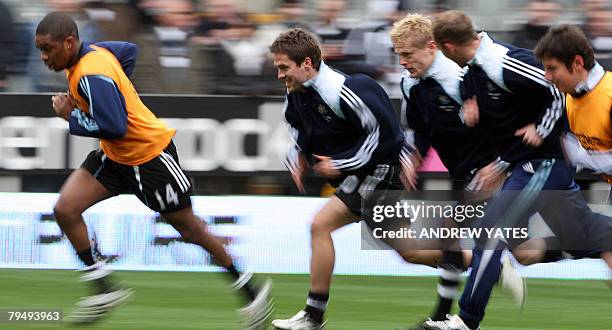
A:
(167, 62)
(220, 15)
(598, 28)
(292, 13)
(236, 73)
(333, 34)
(541, 15)
(7, 44)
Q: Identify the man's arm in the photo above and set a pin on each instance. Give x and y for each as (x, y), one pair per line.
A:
(523, 74)
(416, 131)
(598, 161)
(8, 42)
(416, 137)
(107, 117)
(295, 160)
(369, 109)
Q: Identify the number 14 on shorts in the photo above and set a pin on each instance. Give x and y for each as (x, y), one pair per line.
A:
(171, 197)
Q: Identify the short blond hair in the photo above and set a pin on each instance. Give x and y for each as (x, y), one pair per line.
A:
(414, 30)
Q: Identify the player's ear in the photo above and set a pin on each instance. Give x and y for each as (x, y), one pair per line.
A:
(308, 63)
(68, 42)
(432, 45)
(578, 62)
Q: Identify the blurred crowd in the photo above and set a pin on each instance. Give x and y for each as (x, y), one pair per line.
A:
(217, 47)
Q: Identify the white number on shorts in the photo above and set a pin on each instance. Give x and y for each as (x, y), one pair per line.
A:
(171, 197)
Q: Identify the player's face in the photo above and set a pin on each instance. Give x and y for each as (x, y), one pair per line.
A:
(56, 54)
(292, 74)
(560, 75)
(414, 59)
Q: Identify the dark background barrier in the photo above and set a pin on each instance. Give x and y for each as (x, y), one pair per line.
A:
(35, 145)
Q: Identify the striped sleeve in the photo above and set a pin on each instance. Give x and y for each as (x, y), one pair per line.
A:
(106, 117)
(525, 75)
(369, 124)
(292, 158)
(293, 155)
(408, 147)
(416, 131)
(598, 161)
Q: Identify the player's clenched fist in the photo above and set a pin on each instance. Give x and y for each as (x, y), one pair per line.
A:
(471, 114)
(408, 175)
(325, 168)
(63, 104)
(530, 135)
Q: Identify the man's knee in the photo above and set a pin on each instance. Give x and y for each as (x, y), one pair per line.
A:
(64, 213)
(410, 256)
(187, 224)
(188, 236)
(528, 257)
(321, 225)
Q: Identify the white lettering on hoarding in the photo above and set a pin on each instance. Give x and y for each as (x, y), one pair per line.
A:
(204, 144)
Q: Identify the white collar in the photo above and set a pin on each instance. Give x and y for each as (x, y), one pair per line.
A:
(435, 68)
(480, 56)
(593, 78)
(328, 84)
(447, 74)
(315, 81)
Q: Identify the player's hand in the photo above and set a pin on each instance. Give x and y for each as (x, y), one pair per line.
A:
(471, 113)
(298, 173)
(530, 135)
(487, 181)
(63, 104)
(408, 175)
(325, 168)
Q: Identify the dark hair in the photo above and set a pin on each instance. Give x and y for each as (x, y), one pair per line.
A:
(563, 43)
(298, 44)
(453, 26)
(58, 25)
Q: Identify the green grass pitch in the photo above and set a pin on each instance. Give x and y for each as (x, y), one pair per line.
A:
(167, 300)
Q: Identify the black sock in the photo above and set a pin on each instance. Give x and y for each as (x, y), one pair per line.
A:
(232, 270)
(86, 257)
(454, 258)
(316, 305)
(552, 256)
(102, 284)
(472, 324)
(448, 286)
(247, 287)
(553, 250)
